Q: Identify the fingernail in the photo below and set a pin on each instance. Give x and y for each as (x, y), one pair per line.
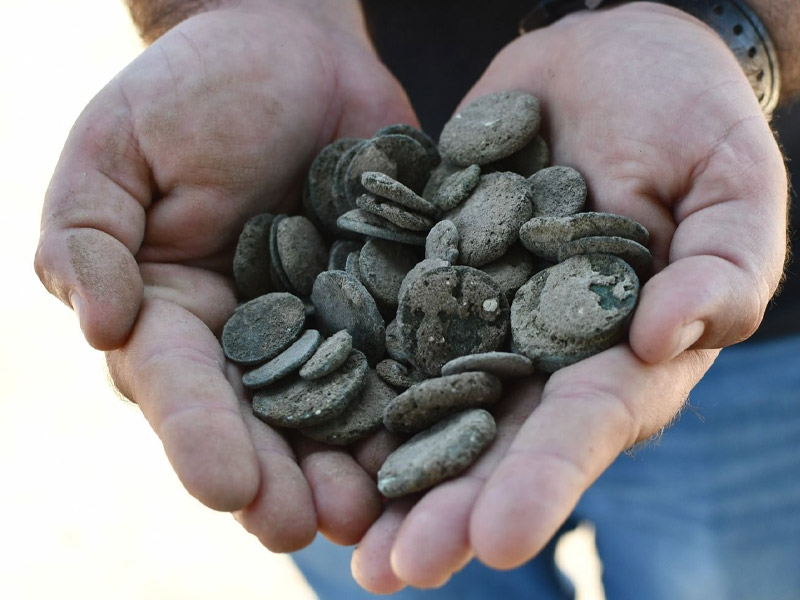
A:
(688, 336)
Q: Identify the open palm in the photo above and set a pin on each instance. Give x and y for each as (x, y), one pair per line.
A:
(215, 122)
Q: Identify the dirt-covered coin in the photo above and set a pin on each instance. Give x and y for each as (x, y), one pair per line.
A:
(319, 183)
(361, 417)
(545, 235)
(285, 363)
(437, 177)
(397, 374)
(442, 242)
(394, 213)
(295, 402)
(394, 345)
(448, 312)
(383, 186)
(302, 251)
(329, 356)
(513, 269)
(527, 161)
(573, 310)
(366, 223)
(251, 260)
(436, 454)
(490, 128)
(456, 187)
(421, 405)
(383, 265)
(501, 364)
(399, 156)
(489, 221)
(277, 275)
(342, 302)
(631, 252)
(340, 249)
(260, 329)
(420, 136)
(557, 192)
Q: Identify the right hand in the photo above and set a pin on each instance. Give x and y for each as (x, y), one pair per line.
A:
(217, 121)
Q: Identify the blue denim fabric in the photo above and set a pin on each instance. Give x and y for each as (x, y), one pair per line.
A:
(711, 511)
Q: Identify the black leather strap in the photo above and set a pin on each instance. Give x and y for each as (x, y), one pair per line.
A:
(733, 20)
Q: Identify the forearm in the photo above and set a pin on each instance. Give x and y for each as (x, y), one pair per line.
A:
(782, 20)
(153, 18)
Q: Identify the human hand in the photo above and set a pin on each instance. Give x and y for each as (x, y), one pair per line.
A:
(216, 121)
(654, 110)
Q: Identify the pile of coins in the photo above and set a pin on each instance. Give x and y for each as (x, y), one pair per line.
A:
(419, 278)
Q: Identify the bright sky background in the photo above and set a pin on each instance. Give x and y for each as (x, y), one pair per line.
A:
(89, 507)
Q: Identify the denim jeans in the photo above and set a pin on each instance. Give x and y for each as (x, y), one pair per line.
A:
(709, 512)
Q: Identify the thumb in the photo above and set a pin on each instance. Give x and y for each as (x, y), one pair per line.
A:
(93, 223)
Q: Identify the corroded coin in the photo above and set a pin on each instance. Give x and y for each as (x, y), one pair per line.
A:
(448, 312)
(502, 364)
(361, 417)
(490, 128)
(573, 310)
(442, 242)
(365, 223)
(295, 402)
(263, 327)
(383, 186)
(423, 404)
(436, 454)
(631, 252)
(394, 213)
(251, 260)
(302, 252)
(342, 302)
(319, 182)
(557, 192)
(489, 221)
(286, 362)
(397, 374)
(383, 265)
(340, 249)
(456, 187)
(514, 268)
(544, 235)
(526, 161)
(330, 355)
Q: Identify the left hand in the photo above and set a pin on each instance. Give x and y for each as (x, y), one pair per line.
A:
(652, 107)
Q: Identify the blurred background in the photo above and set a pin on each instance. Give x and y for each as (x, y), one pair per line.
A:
(89, 506)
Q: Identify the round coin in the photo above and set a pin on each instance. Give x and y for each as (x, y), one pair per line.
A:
(263, 327)
(490, 128)
(436, 454)
(573, 310)
(448, 312)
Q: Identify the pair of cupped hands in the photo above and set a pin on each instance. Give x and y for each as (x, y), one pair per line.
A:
(219, 120)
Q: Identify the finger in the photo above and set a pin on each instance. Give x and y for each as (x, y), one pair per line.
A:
(433, 541)
(727, 254)
(370, 565)
(93, 222)
(346, 499)
(282, 516)
(590, 412)
(172, 367)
